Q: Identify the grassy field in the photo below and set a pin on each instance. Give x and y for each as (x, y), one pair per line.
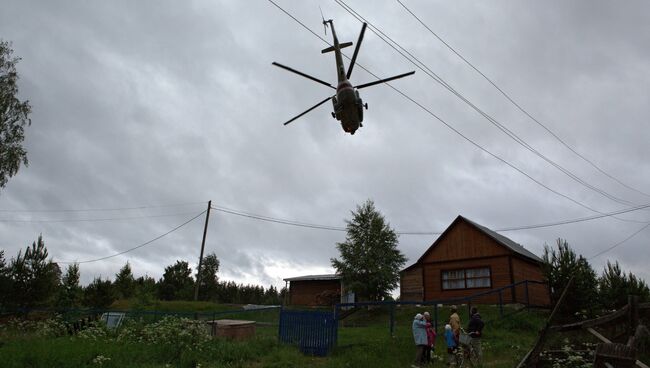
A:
(364, 340)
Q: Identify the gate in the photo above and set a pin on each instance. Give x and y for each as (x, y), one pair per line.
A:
(314, 332)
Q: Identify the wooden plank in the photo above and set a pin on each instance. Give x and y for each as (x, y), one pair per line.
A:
(593, 322)
(602, 338)
(598, 335)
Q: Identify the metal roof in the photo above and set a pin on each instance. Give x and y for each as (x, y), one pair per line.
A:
(331, 276)
(509, 243)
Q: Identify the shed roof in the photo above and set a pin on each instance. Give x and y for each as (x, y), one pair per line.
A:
(326, 277)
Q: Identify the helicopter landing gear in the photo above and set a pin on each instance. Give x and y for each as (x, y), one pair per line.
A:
(365, 105)
(334, 115)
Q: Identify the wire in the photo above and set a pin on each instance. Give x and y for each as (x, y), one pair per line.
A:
(509, 98)
(424, 68)
(619, 243)
(277, 220)
(138, 246)
(95, 219)
(105, 209)
(335, 228)
(448, 125)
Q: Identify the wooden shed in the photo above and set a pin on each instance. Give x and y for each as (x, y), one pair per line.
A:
(317, 290)
(468, 259)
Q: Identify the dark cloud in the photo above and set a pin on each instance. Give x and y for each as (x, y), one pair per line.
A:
(145, 103)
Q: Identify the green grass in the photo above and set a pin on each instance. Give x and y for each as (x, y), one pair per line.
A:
(364, 341)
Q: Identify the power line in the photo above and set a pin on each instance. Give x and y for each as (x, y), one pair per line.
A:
(138, 246)
(424, 68)
(509, 98)
(102, 209)
(449, 126)
(277, 220)
(335, 228)
(93, 219)
(619, 243)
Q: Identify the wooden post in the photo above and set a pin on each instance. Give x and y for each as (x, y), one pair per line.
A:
(500, 304)
(198, 271)
(532, 357)
(632, 314)
(435, 317)
(527, 296)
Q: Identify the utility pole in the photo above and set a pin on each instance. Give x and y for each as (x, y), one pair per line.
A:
(198, 272)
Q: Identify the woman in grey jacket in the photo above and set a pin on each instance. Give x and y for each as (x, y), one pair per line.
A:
(420, 337)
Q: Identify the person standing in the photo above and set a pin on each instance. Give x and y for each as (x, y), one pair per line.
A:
(420, 337)
(475, 330)
(452, 346)
(431, 338)
(454, 322)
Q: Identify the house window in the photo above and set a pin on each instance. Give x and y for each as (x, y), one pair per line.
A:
(470, 278)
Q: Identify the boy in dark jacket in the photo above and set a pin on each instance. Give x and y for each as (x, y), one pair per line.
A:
(475, 330)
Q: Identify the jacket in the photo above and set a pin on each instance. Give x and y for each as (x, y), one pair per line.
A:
(450, 339)
(419, 332)
(454, 321)
(475, 326)
(431, 335)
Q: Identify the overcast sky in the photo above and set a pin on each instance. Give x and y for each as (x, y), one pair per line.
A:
(155, 103)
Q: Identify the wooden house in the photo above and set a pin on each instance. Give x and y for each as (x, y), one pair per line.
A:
(468, 259)
(317, 290)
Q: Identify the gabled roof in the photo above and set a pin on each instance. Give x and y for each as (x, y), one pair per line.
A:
(515, 247)
(506, 242)
(332, 276)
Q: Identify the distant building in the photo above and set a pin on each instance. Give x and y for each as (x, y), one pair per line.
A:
(317, 290)
(467, 259)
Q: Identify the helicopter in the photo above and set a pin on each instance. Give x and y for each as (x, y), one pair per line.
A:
(348, 105)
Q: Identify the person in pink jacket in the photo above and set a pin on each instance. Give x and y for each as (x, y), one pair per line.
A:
(431, 338)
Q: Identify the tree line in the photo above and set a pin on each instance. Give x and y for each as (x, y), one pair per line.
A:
(33, 280)
(590, 294)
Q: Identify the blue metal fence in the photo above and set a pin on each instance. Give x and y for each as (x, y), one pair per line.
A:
(314, 332)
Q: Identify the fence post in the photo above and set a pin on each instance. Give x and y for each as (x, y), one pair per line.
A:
(435, 316)
(500, 304)
(392, 319)
(527, 296)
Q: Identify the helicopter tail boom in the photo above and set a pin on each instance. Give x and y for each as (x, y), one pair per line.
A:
(332, 48)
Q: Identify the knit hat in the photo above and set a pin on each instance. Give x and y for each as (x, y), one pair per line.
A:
(447, 327)
(418, 316)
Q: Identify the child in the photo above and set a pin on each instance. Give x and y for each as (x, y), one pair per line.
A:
(431, 338)
(451, 345)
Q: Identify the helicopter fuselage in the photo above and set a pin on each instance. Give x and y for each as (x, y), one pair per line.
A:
(348, 106)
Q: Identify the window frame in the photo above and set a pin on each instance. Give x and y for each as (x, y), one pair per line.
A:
(465, 278)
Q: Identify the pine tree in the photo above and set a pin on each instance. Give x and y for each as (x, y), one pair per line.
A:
(5, 281)
(35, 279)
(124, 282)
(369, 261)
(615, 286)
(558, 267)
(70, 292)
(99, 294)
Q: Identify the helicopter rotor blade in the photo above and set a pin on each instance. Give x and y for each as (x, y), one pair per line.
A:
(303, 74)
(356, 50)
(311, 108)
(384, 80)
